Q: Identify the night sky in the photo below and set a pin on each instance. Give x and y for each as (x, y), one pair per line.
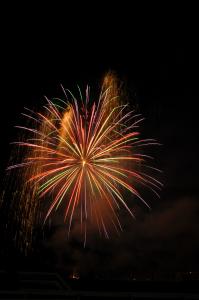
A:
(156, 57)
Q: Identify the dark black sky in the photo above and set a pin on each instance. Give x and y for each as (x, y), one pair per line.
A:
(155, 52)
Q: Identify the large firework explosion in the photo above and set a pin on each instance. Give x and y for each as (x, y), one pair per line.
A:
(83, 157)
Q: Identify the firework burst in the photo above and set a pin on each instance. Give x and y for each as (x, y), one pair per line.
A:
(83, 156)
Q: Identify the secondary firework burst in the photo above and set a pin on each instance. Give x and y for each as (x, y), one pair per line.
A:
(83, 158)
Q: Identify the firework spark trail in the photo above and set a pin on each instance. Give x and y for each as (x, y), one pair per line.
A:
(85, 156)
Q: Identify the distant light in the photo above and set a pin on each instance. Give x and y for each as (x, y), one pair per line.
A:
(75, 275)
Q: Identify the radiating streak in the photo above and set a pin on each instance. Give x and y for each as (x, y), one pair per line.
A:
(85, 156)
